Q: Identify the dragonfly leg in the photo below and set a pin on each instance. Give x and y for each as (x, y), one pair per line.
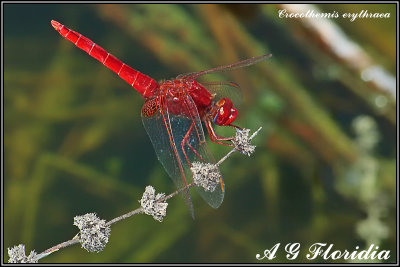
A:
(185, 140)
(235, 126)
(216, 138)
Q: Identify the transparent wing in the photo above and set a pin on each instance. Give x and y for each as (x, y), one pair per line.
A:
(167, 129)
(233, 66)
(225, 89)
(195, 148)
(158, 128)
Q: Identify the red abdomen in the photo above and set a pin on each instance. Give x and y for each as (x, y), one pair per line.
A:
(145, 85)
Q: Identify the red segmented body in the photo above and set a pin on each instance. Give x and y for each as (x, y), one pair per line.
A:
(145, 85)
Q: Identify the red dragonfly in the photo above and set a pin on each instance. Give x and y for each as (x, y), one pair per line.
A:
(174, 111)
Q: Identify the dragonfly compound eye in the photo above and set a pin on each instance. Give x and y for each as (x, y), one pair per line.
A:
(226, 113)
(150, 107)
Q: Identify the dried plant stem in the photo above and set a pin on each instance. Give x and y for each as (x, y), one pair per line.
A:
(226, 156)
(140, 210)
(65, 244)
(123, 217)
(77, 238)
(176, 192)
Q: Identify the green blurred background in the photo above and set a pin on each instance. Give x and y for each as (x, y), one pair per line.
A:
(324, 169)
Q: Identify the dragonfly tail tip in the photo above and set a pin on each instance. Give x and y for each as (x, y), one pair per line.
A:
(56, 25)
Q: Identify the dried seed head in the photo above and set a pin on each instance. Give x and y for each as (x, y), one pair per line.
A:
(206, 175)
(94, 232)
(242, 141)
(17, 255)
(151, 204)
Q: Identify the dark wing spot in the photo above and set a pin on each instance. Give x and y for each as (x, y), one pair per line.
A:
(150, 107)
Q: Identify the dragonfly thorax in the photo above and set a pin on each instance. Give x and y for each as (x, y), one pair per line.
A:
(174, 87)
(175, 90)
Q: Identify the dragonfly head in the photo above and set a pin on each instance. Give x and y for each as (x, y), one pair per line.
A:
(224, 112)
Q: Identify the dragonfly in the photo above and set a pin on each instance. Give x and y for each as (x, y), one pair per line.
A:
(174, 113)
